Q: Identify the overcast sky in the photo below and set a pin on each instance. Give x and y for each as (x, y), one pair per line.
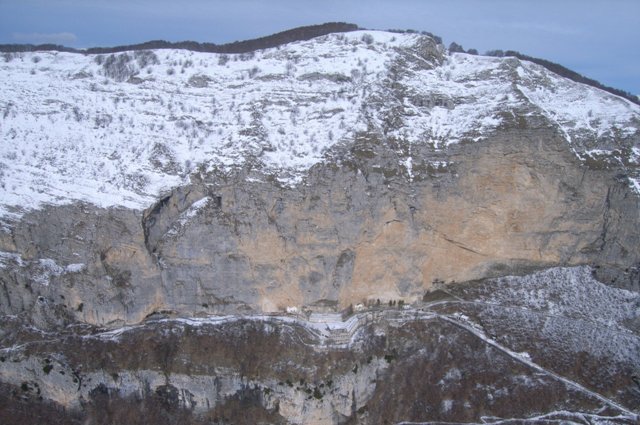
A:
(598, 38)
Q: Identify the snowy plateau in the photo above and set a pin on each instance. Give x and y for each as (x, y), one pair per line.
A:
(358, 228)
(121, 131)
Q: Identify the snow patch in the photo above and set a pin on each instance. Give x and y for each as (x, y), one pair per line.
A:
(188, 215)
(634, 183)
(10, 257)
(46, 269)
(75, 268)
(582, 112)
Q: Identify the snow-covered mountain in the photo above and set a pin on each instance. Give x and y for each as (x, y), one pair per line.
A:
(359, 228)
(121, 129)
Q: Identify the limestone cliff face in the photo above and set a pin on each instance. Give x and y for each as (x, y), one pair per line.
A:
(351, 234)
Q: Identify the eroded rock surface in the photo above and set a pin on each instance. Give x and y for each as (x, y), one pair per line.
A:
(354, 233)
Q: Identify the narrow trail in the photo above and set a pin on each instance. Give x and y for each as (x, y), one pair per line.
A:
(535, 366)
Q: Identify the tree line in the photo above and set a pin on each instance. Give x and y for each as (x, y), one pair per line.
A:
(270, 41)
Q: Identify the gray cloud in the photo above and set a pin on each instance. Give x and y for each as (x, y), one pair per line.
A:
(41, 38)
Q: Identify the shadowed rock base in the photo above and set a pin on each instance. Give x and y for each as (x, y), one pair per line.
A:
(520, 347)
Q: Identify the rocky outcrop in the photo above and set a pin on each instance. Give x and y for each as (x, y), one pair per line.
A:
(352, 233)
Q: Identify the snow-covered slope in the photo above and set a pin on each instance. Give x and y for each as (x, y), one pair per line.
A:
(119, 130)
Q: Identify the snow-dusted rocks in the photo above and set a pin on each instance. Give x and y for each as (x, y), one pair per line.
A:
(120, 130)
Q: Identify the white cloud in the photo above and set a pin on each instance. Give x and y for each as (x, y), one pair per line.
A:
(40, 38)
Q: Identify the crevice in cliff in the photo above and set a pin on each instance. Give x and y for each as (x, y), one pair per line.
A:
(462, 246)
(606, 216)
(149, 219)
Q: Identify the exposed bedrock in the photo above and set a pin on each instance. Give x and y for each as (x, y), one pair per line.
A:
(366, 226)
